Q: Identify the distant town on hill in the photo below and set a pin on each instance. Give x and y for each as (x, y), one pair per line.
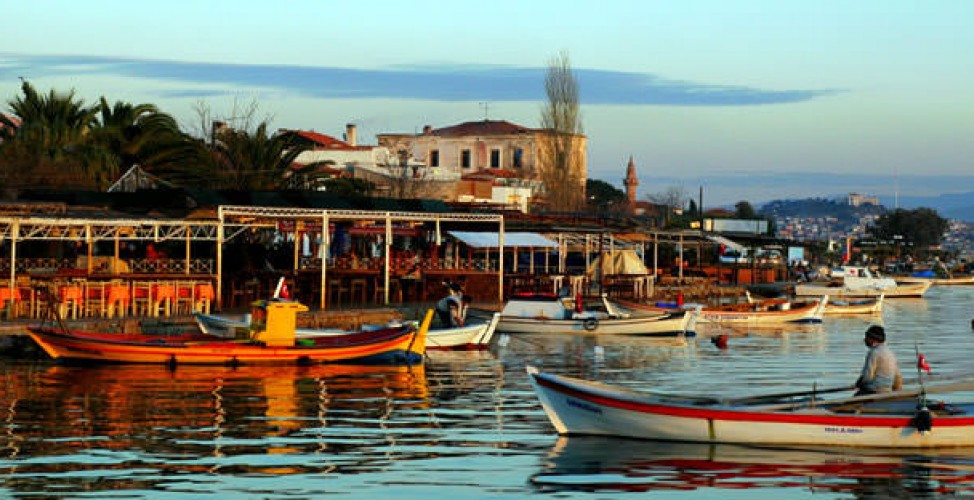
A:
(840, 217)
(959, 206)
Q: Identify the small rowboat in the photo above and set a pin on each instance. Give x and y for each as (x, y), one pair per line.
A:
(889, 420)
(952, 281)
(548, 313)
(273, 341)
(476, 335)
(854, 306)
(770, 311)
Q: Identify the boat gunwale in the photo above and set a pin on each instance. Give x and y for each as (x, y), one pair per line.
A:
(609, 396)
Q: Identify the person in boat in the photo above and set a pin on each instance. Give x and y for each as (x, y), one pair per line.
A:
(881, 371)
(449, 309)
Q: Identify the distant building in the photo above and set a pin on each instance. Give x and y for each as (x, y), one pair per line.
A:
(501, 147)
(631, 181)
(856, 200)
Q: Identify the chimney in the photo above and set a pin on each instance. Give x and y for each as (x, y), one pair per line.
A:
(350, 134)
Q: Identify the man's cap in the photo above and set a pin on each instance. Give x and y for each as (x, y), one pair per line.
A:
(876, 333)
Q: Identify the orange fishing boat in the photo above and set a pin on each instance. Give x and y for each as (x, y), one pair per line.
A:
(271, 340)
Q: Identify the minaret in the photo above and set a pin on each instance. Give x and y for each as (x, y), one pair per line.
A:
(631, 182)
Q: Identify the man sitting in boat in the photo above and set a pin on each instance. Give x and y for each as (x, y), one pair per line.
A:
(881, 371)
(452, 309)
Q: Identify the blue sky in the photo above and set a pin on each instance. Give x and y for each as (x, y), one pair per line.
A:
(752, 100)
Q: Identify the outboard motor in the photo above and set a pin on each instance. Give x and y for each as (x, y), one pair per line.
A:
(923, 420)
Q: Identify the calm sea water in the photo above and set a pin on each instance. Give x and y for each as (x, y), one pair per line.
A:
(465, 425)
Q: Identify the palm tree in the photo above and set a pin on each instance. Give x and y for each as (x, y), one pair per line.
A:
(50, 145)
(255, 160)
(142, 135)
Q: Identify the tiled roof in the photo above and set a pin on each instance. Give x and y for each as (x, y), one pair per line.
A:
(484, 127)
(322, 141)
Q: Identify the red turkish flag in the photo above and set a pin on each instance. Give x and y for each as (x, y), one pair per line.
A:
(922, 363)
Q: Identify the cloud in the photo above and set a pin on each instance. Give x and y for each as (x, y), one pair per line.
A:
(448, 83)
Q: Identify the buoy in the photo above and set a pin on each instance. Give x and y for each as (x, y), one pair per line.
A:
(720, 341)
(679, 298)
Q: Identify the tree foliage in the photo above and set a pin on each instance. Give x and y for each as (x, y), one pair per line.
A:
(744, 210)
(921, 227)
(560, 161)
(604, 197)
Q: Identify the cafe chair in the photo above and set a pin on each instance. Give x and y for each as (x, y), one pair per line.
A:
(203, 297)
(141, 298)
(95, 299)
(336, 291)
(358, 288)
(118, 297)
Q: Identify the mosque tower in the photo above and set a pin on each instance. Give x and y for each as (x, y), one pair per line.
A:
(631, 182)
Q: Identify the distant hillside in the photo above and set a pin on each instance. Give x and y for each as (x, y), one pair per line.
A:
(819, 207)
(952, 206)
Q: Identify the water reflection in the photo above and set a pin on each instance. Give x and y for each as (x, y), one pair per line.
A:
(202, 419)
(595, 464)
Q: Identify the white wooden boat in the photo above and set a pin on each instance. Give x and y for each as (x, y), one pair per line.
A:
(889, 420)
(852, 306)
(769, 311)
(952, 281)
(854, 281)
(472, 336)
(548, 313)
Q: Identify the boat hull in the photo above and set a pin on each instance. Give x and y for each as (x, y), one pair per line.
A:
(864, 306)
(580, 407)
(662, 326)
(808, 313)
(405, 345)
(915, 290)
(473, 336)
(958, 281)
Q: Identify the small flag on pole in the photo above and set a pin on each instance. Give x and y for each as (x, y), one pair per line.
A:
(922, 363)
(281, 292)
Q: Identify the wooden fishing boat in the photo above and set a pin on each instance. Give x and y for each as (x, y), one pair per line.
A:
(851, 306)
(272, 340)
(476, 335)
(858, 282)
(769, 311)
(951, 281)
(548, 313)
(889, 420)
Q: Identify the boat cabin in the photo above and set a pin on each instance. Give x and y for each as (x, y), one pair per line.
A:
(274, 322)
(551, 306)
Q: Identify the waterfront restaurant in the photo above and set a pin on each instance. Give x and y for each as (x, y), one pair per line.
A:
(95, 264)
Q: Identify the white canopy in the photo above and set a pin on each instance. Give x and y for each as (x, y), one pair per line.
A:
(511, 240)
(617, 262)
(727, 242)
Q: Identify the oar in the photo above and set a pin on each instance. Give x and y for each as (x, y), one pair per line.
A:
(869, 398)
(782, 395)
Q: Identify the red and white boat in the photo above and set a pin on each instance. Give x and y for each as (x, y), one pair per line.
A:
(769, 311)
(889, 420)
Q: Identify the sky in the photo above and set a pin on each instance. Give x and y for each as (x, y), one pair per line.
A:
(748, 100)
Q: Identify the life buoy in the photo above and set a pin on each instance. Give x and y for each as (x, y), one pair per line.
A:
(590, 324)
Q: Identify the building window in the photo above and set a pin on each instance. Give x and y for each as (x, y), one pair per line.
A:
(435, 158)
(465, 158)
(495, 158)
(517, 159)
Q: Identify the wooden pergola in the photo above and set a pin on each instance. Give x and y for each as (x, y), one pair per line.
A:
(231, 222)
(237, 219)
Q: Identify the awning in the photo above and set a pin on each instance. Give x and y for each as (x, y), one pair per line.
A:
(727, 243)
(511, 240)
